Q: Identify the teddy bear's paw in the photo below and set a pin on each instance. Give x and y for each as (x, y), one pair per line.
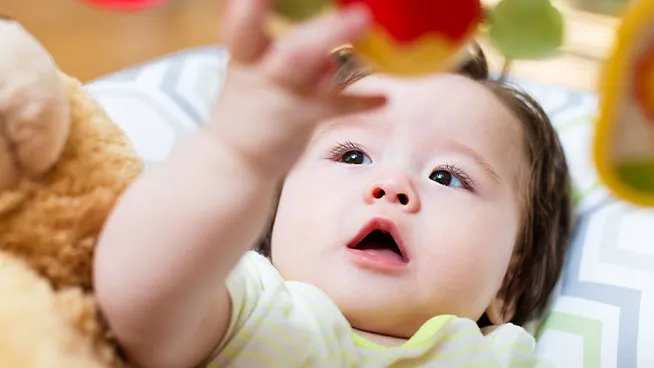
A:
(34, 331)
(34, 106)
(82, 309)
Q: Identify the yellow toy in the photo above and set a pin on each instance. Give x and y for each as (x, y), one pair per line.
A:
(624, 137)
(63, 163)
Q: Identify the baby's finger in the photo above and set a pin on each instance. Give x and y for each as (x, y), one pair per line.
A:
(243, 29)
(299, 59)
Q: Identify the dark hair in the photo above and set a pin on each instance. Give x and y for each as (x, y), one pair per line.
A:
(547, 219)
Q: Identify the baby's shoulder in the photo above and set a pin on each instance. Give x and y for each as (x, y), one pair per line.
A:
(257, 279)
(255, 258)
(450, 327)
(507, 344)
(500, 336)
(508, 332)
(255, 266)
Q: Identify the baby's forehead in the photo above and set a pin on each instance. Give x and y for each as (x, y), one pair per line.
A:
(432, 109)
(435, 97)
(429, 91)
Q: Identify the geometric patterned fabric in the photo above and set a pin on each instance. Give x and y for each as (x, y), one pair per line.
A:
(602, 313)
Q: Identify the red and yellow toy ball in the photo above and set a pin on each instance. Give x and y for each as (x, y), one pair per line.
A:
(408, 37)
(419, 36)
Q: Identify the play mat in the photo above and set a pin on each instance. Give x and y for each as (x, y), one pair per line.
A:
(602, 314)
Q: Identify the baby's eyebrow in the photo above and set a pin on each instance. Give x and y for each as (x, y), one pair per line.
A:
(338, 123)
(477, 157)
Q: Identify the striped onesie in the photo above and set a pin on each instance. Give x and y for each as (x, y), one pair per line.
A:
(278, 323)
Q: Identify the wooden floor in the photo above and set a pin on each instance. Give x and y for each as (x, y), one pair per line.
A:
(88, 42)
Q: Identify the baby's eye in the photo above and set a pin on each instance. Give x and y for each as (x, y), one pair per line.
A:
(355, 157)
(349, 153)
(446, 178)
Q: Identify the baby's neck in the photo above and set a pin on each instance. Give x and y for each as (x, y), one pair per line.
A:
(380, 339)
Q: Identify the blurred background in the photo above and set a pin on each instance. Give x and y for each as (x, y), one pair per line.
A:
(90, 42)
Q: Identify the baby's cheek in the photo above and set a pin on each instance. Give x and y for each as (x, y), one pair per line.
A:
(478, 243)
(300, 209)
(460, 283)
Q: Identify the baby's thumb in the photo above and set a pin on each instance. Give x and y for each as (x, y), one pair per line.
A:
(342, 105)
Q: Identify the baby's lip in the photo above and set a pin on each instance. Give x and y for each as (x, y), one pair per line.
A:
(386, 226)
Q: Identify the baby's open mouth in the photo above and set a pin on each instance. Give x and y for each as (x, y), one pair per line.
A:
(380, 238)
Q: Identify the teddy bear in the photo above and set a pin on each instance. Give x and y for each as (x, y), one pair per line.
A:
(63, 165)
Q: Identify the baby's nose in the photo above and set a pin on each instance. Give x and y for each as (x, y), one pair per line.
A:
(396, 191)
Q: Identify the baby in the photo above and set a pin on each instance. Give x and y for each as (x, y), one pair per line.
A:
(420, 221)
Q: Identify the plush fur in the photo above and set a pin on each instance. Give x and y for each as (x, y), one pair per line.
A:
(63, 164)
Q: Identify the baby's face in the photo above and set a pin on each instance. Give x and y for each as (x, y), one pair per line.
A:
(439, 168)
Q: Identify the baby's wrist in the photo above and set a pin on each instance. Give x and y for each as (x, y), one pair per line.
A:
(257, 163)
(265, 154)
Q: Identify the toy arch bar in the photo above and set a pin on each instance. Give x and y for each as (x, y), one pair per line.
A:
(125, 5)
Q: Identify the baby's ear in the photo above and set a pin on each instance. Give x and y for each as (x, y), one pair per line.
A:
(34, 110)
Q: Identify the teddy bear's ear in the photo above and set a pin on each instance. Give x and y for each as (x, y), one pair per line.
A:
(34, 107)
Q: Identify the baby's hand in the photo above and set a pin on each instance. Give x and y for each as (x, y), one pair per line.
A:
(277, 92)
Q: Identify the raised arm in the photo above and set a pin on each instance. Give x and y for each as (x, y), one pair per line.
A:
(181, 227)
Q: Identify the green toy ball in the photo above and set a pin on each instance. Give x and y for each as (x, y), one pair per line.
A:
(525, 29)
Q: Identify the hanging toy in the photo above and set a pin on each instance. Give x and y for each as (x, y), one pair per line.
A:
(417, 37)
(624, 135)
(525, 29)
(426, 36)
(125, 5)
(407, 37)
